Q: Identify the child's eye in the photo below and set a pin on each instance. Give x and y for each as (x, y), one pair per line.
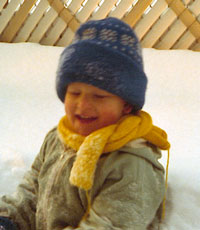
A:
(74, 93)
(100, 96)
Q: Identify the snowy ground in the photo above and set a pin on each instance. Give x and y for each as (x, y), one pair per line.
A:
(29, 108)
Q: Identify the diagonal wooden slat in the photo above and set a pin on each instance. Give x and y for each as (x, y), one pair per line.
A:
(75, 5)
(158, 29)
(161, 24)
(43, 26)
(3, 4)
(65, 14)
(66, 38)
(185, 41)
(135, 14)
(121, 9)
(196, 47)
(7, 14)
(145, 24)
(87, 10)
(104, 10)
(170, 38)
(185, 16)
(195, 7)
(54, 33)
(31, 22)
(17, 21)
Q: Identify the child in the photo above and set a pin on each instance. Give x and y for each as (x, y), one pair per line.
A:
(98, 169)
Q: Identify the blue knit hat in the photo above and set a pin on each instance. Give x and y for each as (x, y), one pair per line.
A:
(106, 54)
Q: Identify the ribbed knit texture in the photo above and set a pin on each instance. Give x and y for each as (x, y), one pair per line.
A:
(106, 54)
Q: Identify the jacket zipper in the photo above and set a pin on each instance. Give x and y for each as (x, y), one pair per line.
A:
(64, 158)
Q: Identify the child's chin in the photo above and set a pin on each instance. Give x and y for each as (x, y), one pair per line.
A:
(86, 131)
(86, 127)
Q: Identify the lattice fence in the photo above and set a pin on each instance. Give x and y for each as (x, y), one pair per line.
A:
(162, 24)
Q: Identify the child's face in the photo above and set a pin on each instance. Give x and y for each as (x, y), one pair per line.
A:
(89, 108)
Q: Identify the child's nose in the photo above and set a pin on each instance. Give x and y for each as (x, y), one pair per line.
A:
(85, 103)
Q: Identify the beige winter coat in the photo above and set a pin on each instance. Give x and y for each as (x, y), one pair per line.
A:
(127, 192)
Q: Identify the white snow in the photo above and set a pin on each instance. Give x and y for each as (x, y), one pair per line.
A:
(29, 107)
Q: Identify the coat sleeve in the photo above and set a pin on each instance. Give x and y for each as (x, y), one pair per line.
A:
(21, 207)
(131, 194)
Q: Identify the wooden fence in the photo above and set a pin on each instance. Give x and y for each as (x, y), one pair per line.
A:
(162, 24)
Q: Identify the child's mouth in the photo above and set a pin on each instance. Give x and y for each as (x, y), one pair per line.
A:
(85, 119)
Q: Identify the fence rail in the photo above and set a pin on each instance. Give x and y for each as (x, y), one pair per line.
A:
(161, 24)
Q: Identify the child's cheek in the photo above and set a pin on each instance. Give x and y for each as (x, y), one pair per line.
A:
(110, 117)
(69, 108)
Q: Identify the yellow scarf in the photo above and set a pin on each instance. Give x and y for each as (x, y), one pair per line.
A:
(107, 139)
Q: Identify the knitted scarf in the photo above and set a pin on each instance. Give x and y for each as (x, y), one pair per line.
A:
(107, 139)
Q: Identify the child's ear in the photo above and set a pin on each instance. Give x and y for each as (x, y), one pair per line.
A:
(127, 108)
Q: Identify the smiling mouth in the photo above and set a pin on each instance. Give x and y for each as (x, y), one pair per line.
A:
(85, 119)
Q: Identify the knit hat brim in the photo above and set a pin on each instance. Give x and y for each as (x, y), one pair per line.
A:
(102, 67)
